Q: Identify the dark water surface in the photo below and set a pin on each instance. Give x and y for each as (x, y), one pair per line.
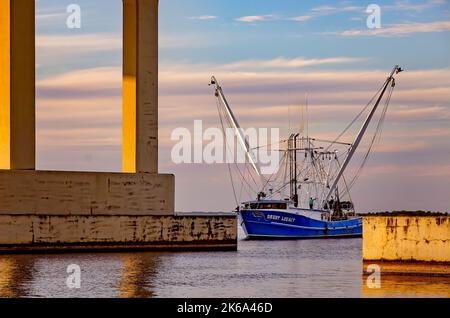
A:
(305, 268)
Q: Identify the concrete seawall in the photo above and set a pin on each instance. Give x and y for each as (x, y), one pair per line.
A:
(44, 233)
(83, 211)
(407, 245)
(407, 238)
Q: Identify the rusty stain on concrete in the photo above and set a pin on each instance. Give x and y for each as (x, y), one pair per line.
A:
(406, 238)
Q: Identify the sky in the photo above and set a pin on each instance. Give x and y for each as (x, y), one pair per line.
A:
(267, 55)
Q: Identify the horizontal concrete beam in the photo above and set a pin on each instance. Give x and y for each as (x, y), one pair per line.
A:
(406, 238)
(59, 233)
(85, 193)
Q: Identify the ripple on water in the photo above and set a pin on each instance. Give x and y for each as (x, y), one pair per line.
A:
(302, 268)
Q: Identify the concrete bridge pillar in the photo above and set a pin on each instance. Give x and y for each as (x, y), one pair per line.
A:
(140, 86)
(17, 85)
(66, 211)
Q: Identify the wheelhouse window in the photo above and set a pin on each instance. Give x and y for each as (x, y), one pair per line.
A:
(265, 206)
(273, 206)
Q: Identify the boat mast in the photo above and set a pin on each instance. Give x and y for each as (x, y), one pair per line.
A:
(291, 161)
(244, 143)
(397, 69)
(307, 116)
(294, 180)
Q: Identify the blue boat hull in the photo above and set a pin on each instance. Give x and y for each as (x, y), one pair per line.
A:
(282, 225)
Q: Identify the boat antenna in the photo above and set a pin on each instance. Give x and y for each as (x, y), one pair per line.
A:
(289, 117)
(302, 119)
(307, 116)
(390, 81)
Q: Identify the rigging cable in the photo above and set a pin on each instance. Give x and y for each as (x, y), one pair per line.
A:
(356, 118)
(374, 138)
(244, 179)
(228, 165)
(246, 165)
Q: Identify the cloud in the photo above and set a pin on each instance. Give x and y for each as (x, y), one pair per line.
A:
(326, 10)
(402, 6)
(204, 17)
(323, 81)
(418, 113)
(432, 132)
(279, 63)
(96, 42)
(51, 15)
(93, 96)
(46, 18)
(284, 63)
(400, 29)
(313, 13)
(301, 18)
(408, 6)
(90, 83)
(263, 97)
(257, 18)
(79, 117)
(398, 147)
(68, 50)
(172, 41)
(79, 109)
(424, 170)
(51, 47)
(329, 10)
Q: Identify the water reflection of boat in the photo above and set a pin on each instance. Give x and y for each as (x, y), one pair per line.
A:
(314, 174)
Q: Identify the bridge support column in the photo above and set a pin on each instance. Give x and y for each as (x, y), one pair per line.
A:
(17, 85)
(140, 86)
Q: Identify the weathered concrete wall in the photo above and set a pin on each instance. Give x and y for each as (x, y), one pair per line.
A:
(406, 238)
(34, 232)
(84, 193)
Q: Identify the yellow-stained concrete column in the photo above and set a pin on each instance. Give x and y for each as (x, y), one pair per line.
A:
(140, 86)
(17, 85)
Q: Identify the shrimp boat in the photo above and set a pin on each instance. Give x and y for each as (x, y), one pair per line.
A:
(305, 199)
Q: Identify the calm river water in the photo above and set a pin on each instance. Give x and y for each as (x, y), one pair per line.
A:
(305, 268)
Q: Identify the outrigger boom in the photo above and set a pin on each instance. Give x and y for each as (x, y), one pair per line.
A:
(244, 143)
(390, 81)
